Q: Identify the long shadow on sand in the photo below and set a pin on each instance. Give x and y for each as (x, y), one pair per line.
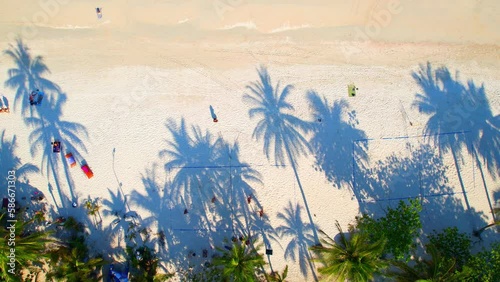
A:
(300, 238)
(26, 76)
(281, 131)
(422, 175)
(333, 141)
(11, 165)
(49, 127)
(455, 107)
(45, 118)
(204, 198)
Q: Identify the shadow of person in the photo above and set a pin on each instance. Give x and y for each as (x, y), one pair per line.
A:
(212, 113)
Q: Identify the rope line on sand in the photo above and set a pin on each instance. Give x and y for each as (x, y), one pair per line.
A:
(411, 197)
(224, 166)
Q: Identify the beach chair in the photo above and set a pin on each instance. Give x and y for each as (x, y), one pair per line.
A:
(56, 147)
(86, 169)
(70, 159)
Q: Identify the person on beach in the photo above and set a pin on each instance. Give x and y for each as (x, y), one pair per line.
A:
(98, 12)
(4, 108)
(32, 98)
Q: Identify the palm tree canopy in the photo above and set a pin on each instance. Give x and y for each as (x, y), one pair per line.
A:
(438, 268)
(240, 263)
(353, 258)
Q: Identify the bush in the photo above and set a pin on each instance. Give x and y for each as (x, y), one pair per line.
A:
(399, 228)
(485, 266)
(452, 244)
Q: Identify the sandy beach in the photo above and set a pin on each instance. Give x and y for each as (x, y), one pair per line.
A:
(134, 76)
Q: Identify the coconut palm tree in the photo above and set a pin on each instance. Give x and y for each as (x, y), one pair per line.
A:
(438, 268)
(478, 232)
(353, 258)
(238, 262)
(27, 75)
(74, 265)
(279, 129)
(71, 262)
(30, 247)
(145, 265)
(93, 209)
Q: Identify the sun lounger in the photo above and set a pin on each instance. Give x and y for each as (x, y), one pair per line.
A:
(86, 169)
(70, 159)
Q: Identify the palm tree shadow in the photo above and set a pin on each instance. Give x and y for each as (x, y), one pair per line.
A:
(208, 185)
(336, 141)
(10, 164)
(301, 238)
(27, 75)
(48, 127)
(460, 117)
(46, 118)
(280, 131)
(422, 175)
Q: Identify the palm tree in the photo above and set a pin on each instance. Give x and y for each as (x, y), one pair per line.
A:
(438, 268)
(353, 258)
(30, 247)
(75, 268)
(301, 239)
(276, 277)
(93, 209)
(478, 232)
(239, 262)
(71, 262)
(278, 129)
(145, 265)
(27, 75)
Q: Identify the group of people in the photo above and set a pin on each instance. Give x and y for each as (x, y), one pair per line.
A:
(4, 105)
(36, 97)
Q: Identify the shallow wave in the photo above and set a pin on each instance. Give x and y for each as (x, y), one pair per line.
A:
(247, 25)
(73, 27)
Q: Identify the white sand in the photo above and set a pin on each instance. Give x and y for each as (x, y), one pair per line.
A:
(147, 61)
